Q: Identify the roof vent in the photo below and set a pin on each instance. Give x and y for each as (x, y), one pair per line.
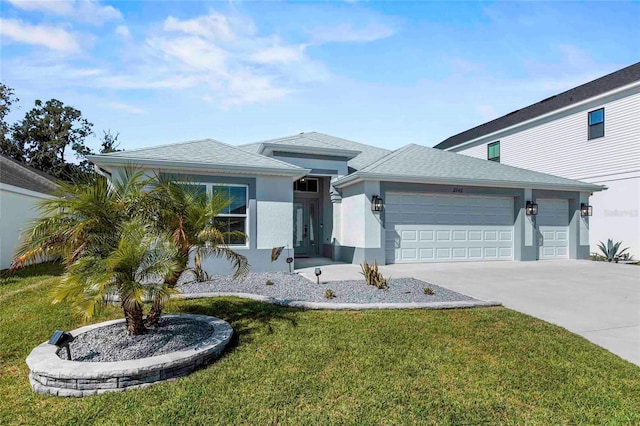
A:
(512, 112)
(548, 99)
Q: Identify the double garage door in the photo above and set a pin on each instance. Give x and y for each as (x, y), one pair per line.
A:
(439, 228)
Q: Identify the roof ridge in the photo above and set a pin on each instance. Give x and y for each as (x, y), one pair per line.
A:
(237, 148)
(387, 157)
(344, 139)
(164, 145)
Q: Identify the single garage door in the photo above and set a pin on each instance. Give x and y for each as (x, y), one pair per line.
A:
(552, 222)
(440, 228)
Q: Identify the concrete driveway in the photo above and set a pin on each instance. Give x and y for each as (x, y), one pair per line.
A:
(597, 300)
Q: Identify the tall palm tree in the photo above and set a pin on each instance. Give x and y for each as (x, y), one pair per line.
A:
(188, 214)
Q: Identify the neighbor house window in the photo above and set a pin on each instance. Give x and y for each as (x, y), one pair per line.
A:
(306, 184)
(596, 124)
(493, 151)
(234, 216)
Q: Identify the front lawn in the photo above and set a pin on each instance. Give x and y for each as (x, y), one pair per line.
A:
(489, 366)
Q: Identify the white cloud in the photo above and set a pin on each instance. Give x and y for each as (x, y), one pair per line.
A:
(214, 26)
(88, 11)
(43, 35)
(278, 54)
(125, 107)
(347, 33)
(123, 32)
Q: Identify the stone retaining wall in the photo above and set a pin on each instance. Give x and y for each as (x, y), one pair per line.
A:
(55, 376)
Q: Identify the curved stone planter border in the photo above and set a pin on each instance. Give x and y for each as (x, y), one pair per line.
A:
(52, 375)
(343, 306)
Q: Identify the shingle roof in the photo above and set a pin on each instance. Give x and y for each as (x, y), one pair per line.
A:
(22, 176)
(368, 154)
(204, 152)
(419, 163)
(596, 87)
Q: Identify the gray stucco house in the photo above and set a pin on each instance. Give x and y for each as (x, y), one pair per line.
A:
(325, 196)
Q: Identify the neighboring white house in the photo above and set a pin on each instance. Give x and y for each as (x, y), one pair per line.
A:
(322, 196)
(589, 133)
(21, 188)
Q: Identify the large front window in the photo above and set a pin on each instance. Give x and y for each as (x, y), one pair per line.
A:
(233, 219)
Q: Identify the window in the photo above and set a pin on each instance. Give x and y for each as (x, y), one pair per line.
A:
(493, 151)
(596, 124)
(306, 185)
(234, 216)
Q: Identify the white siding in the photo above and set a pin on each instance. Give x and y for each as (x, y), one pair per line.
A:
(559, 145)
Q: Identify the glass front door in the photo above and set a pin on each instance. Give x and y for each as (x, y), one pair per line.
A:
(305, 213)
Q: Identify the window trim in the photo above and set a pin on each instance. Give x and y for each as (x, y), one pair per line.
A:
(590, 125)
(209, 191)
(489, 146)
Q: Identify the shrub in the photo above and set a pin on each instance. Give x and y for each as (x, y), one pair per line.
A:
(329, 294)
(612, 250)
(428, 291)
(372, 276)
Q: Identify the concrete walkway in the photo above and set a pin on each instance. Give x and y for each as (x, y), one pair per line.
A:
(597, 300)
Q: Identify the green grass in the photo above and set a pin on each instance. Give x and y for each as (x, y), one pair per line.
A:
(475, 366)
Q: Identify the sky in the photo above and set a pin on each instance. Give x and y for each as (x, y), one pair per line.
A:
(382, 73)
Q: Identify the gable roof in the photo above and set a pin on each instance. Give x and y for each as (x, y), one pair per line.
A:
(368, 154)
(23, 176)
(615, 80)
(206, 153)
(419, 164)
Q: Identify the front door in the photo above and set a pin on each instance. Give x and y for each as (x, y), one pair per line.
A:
(305, 236)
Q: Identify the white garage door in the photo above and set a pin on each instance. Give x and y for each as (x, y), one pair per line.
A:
(553, 228)
(440, 228)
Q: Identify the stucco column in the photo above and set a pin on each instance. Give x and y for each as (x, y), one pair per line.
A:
(578, 228)
(525, 247)
(373, 226)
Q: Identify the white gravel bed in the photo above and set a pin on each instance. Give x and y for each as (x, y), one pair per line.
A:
(294, 287)
(113, 342)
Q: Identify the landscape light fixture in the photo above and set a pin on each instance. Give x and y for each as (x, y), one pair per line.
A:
(376, 203)
(531, 208)
(62, 339)
(289, 261)
(318, 273)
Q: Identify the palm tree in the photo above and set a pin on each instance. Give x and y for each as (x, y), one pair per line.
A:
(127, 269)
(188, 214)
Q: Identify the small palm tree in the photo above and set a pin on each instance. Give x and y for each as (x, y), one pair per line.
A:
(133, 269)
(189, 214)
(611, 251)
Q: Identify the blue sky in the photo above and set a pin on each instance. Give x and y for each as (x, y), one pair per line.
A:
(383, 73)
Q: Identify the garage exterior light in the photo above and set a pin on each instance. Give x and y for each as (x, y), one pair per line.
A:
(376, 203)
(531, 208)
(586, 210)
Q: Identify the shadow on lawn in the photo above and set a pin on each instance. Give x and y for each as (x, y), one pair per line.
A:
(38, 270)
(245, 316)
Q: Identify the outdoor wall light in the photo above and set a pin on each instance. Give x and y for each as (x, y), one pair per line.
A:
(376, 203)
(62, 339)
(531, 208)
(318, 273)
(586, 210)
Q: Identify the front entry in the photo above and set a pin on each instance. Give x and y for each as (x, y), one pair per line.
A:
(305, 231)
